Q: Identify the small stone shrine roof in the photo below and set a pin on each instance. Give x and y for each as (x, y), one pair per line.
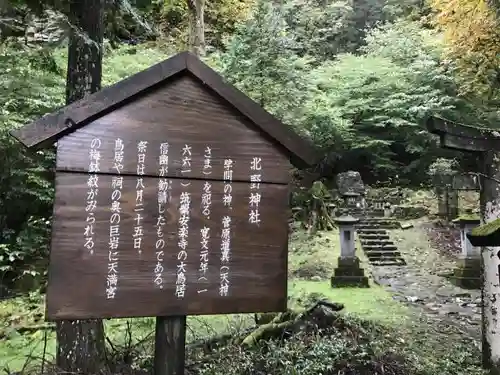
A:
(486, 235)
(346, 220)
(350, 194)
(467, 219)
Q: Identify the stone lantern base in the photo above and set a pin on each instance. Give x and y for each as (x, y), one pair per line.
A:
(468, 273)
(349, 273)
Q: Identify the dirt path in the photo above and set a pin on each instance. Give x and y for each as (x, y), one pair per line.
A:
(421, 282)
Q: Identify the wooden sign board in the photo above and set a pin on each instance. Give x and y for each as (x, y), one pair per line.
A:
(171, 198)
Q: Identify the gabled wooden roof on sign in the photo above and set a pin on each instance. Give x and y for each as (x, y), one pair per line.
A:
(51, 127)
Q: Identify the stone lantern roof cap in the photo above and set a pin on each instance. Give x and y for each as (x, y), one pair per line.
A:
(467, 219)
(351, 194)
(346, 220)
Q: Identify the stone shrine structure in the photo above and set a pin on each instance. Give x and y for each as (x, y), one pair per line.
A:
(348, 271)
(447, 197)
(352, 191)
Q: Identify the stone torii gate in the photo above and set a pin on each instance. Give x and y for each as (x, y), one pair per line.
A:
(485, 143)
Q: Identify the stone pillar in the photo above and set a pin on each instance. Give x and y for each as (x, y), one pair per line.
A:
(452, 203)
(348, 271)
(387, 209)
(441, 201)
(468, 272)
(490, 262)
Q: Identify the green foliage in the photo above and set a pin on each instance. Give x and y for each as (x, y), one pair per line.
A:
(222, 17)
(377, 108)
(443, 166)
(313, 207)
(327, 28)
(30, 85)
(370, 109)
(260, 61)
(350, 346)
(366, 111)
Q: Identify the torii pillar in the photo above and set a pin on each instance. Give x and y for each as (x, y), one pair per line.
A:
(486, 144)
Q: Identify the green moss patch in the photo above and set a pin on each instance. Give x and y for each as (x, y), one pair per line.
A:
(467, 217)
(486, 229)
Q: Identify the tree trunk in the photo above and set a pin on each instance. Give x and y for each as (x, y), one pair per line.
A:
(196, 10)
(80, 344)
(490, 262)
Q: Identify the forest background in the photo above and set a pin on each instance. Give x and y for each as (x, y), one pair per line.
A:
(357, 77)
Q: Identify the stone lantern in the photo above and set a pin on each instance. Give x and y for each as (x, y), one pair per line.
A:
(351, 199)
(348, 271)
(468, 272)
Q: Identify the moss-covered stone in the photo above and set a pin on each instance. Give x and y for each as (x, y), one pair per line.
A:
(486, 229)
(349, 274)
(409, 211)
(467, 217)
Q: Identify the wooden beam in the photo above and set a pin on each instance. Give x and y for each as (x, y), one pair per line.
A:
(464, 144)
(463, 137)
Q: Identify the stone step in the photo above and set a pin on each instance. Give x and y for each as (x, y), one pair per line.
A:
(382, 254)
(367, 236)
(396, 262)
(375, 242)
(362, 231)
(377, 260)
(379, 219)
(379, 248)
(378, 226)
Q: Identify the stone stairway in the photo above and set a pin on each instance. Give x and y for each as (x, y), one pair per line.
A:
(361, 212)
(376, 243)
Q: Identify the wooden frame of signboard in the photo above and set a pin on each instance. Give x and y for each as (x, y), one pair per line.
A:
(172, 199)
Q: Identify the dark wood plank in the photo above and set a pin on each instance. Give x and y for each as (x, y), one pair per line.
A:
(77, 278)
(51, 127)
(181, 113)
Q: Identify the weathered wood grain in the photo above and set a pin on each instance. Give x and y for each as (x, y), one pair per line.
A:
(77, 279)
(182, 113)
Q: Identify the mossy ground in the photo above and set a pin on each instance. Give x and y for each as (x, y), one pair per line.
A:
(382, 329)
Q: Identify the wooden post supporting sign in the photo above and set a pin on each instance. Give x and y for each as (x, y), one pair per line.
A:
(170, 339)
(172, 192)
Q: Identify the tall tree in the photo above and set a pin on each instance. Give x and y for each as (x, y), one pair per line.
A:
(196, 14)
(472, 32)
(80, 344)
(260, 61)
